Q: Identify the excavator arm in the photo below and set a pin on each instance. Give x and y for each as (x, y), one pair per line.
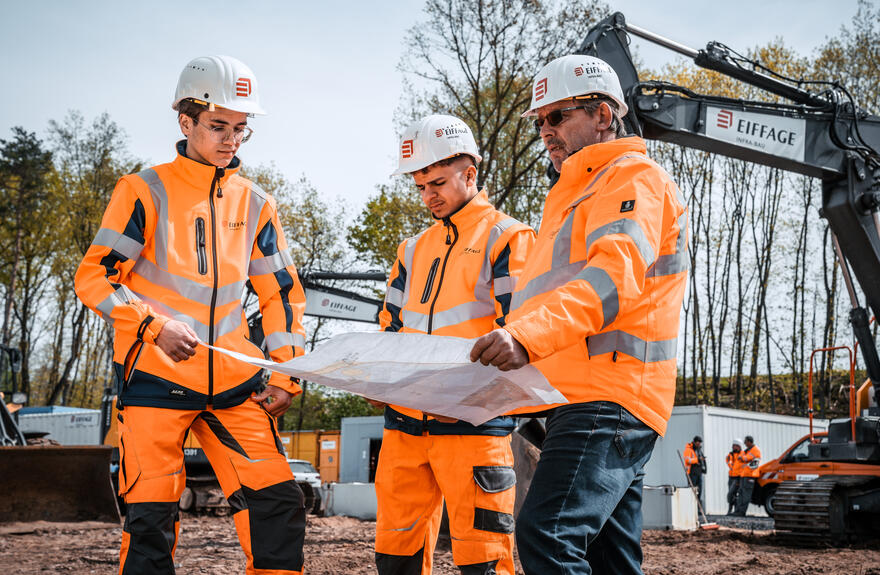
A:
(822, 135)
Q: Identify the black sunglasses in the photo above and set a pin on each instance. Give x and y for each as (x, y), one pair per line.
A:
(556, 117)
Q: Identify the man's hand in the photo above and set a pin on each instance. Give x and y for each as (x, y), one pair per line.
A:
(177, 340)
(500, 349)
(274, 399)
(376, 404)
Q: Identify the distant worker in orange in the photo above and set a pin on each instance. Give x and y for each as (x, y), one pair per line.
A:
(597, 311)
(750, 458)
(167, 270)
(454, 279)
(734, 470)
(695, 463)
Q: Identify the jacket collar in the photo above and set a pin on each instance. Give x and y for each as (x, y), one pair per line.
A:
(472, 211)
(590, 160)
(201, 175)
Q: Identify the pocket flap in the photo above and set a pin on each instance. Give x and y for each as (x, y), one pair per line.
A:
(494, 478)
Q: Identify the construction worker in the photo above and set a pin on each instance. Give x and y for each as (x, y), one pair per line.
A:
(167, 270)
(454, 279)
(695, 464)
(750, 458)
(597, 311)
(734, 471)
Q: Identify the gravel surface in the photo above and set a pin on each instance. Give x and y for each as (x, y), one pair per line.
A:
(342, 545)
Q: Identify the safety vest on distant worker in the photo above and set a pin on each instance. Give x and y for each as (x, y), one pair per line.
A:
(598, 305)
(455, 278)
(179, 241)
(690, 457)
(734, 465)
(750, 459)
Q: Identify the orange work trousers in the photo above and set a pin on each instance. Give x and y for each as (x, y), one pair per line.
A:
(244, 449)
(475, 475)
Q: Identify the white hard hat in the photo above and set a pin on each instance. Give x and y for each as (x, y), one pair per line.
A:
(575, 75)
(434, 138)
(739, 442)
(219, 80)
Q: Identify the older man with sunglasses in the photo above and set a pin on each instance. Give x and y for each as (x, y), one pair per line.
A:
(596, 310)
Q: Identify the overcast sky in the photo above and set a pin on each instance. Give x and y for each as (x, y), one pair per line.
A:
(327, 70)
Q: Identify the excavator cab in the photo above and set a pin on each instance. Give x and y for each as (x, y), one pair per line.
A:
(47, 482)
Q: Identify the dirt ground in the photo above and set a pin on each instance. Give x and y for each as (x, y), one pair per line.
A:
(341, 545)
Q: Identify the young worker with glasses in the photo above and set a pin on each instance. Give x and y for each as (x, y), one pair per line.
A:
(167, 270)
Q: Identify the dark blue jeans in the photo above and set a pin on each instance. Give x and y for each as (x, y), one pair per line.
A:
(583, 512)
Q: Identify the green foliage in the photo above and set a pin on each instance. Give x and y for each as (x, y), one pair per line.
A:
(395, 213)
(324, 409)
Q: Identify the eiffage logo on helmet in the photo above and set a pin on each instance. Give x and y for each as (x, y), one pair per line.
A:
(243, 87)
(406, 149)
(540, 89)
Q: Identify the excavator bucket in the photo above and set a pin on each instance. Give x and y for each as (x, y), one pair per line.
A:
(56, 483)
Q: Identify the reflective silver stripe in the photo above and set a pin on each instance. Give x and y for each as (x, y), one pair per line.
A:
(452, 316)
(279, 339)
(483, 287)
(270, 264)
(627, 227)
(562, 243)
(408, 254)
(642, 350)
(227, 324)
(121, 296)
(120, 243)
(605, 289)
(410, 528)
(504, 285)
(160, 202)
(671, 264)
(258, 199)
(602, 173)
(186, 287)
(545, 282)
(394, 297)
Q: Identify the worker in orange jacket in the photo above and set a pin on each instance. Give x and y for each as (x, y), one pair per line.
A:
(596, 310)
(750, 460)
(454, 279)
(167, 270)
(734, 472)
(695, 463)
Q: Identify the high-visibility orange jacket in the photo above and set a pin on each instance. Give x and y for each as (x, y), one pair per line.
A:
(455, 278)
(734, 465)
(597, 306)
(690, 457)
(750, 459)
(179, 241)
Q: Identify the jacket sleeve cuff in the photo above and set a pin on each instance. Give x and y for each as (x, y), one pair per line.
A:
(288, 384)
(520, 338)
(154, 328)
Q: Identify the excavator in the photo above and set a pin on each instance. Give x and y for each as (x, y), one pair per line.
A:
(43, 481)
(821, 134)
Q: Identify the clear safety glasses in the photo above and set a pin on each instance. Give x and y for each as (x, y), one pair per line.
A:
(239, 134)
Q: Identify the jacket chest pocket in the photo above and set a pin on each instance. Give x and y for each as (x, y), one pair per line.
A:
(201, 251)
(429, 283)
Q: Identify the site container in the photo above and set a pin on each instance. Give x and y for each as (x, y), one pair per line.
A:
(719, 426)
(361, 438)
(328, 453)
(66, 425)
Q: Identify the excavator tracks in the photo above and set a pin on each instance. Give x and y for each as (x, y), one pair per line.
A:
(809, 510)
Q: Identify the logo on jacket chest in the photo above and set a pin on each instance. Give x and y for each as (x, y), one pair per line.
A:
(234, 225)
(470, 251)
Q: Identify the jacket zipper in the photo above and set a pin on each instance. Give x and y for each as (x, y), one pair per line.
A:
(449, 242)
(430, 282)
(215, 185)
(200, 246)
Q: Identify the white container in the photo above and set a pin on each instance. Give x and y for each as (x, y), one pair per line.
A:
(719, 426)
(66, 425)
(669, 507)
(351, 500)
